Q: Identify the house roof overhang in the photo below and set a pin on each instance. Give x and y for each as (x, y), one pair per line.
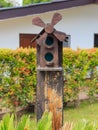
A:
(13, 12)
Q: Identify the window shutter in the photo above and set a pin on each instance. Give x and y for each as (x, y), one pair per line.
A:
(96, 40)
(25, 40)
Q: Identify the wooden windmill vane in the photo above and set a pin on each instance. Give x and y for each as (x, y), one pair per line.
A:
(49, 28)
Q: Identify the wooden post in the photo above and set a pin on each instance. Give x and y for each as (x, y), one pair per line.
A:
(50, 91)
(50, 96)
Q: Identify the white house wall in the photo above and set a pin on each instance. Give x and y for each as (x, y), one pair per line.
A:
(79, 22)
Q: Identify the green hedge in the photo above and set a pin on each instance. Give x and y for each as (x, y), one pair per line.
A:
(81, 72)
(18, 74)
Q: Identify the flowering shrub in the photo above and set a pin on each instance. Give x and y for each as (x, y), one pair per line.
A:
(18, 74)
(79, 68)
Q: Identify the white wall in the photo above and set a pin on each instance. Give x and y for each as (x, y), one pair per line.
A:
(81, 23)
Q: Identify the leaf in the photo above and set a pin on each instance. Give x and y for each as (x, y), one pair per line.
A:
(7, 122)
(45, 123)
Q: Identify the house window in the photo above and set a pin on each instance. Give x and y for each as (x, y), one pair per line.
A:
(67, 42)
(95, 40)
(25, 40)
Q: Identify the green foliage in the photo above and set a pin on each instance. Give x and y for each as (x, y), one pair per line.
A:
(25, 123)
(85, 125)
(39, 1)
(46, 122)
(4, 3)
(26, 2)
(79, 69)
(9, 123)
(18, 74)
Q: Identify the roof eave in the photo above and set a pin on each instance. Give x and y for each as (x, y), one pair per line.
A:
(41, 8)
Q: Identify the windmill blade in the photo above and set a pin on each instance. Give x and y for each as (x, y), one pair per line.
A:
(37, 21)
(36, 37)
(56, 18)
(42, 38)
(60, 35)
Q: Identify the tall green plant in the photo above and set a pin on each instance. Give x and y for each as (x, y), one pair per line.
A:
(7, 123)
(25, 123)
(45, 123)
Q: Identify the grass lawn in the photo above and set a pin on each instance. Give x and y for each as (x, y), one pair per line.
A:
(86, 110)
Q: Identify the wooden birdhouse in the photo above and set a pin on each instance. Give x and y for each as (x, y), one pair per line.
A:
(49, 43)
